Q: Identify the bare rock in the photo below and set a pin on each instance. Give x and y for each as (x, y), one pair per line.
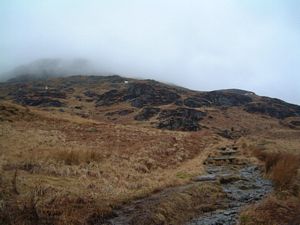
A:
(209, 177)
(183, 119)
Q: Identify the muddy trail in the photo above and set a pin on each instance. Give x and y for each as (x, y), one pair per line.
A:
(215, 198)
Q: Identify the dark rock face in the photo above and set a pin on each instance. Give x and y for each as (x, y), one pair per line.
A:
(39, 101)
(147, 113)
(195, 102)
(217, 98)
(50, 94)
(274, 108)
(109, 98)
(41, 98)
(120, 112)
(183, 119)
(39, 93)
(140, 95)
(144, 94)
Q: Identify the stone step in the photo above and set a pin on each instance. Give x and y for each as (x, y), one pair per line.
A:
(209, 177)
(221, 158)
(228, 152)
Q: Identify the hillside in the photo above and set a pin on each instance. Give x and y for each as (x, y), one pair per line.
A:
(155, 104)
(75, 148)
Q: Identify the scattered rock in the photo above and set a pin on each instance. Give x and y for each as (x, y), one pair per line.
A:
(274, 108)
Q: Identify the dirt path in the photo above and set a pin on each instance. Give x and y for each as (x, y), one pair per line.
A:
(242, 183)
(200, 202)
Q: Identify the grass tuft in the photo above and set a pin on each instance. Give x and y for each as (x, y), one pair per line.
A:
(77, 157)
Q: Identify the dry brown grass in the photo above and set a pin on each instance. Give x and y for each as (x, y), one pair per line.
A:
(282, 168)
(283, 206)
(73, 170)
(46, 206)
(102, 163)
(273, 211)
(75, 157)
(179, 206)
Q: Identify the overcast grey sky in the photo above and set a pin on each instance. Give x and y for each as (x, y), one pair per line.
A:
(199, 44)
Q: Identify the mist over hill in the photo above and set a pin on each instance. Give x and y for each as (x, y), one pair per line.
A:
(50, 67)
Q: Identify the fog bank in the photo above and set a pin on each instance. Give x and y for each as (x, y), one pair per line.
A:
(203, 45)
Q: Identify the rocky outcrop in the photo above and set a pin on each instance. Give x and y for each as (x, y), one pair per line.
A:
(217, 98)
(273, 107)
(195, 102)
(110, 97)
(139, 95)
(40, 101)
(35, 97)
(53, 93)
(142, 94)
(183, 119)
(147, 113)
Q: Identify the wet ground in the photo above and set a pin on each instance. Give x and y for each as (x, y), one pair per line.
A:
(242, 185)
(241, 181)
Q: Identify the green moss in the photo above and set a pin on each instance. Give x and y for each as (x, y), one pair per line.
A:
(183, 175)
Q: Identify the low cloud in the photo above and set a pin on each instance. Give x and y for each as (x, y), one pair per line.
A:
(202, 45)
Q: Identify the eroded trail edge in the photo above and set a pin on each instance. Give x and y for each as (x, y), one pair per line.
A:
(217, 197)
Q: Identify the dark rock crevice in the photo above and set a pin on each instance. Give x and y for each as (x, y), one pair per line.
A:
(183, 119)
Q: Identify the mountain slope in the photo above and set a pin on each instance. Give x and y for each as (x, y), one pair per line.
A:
(129, 100)
(74, 148)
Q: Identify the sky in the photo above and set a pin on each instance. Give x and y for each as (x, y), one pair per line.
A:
(199, 44)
